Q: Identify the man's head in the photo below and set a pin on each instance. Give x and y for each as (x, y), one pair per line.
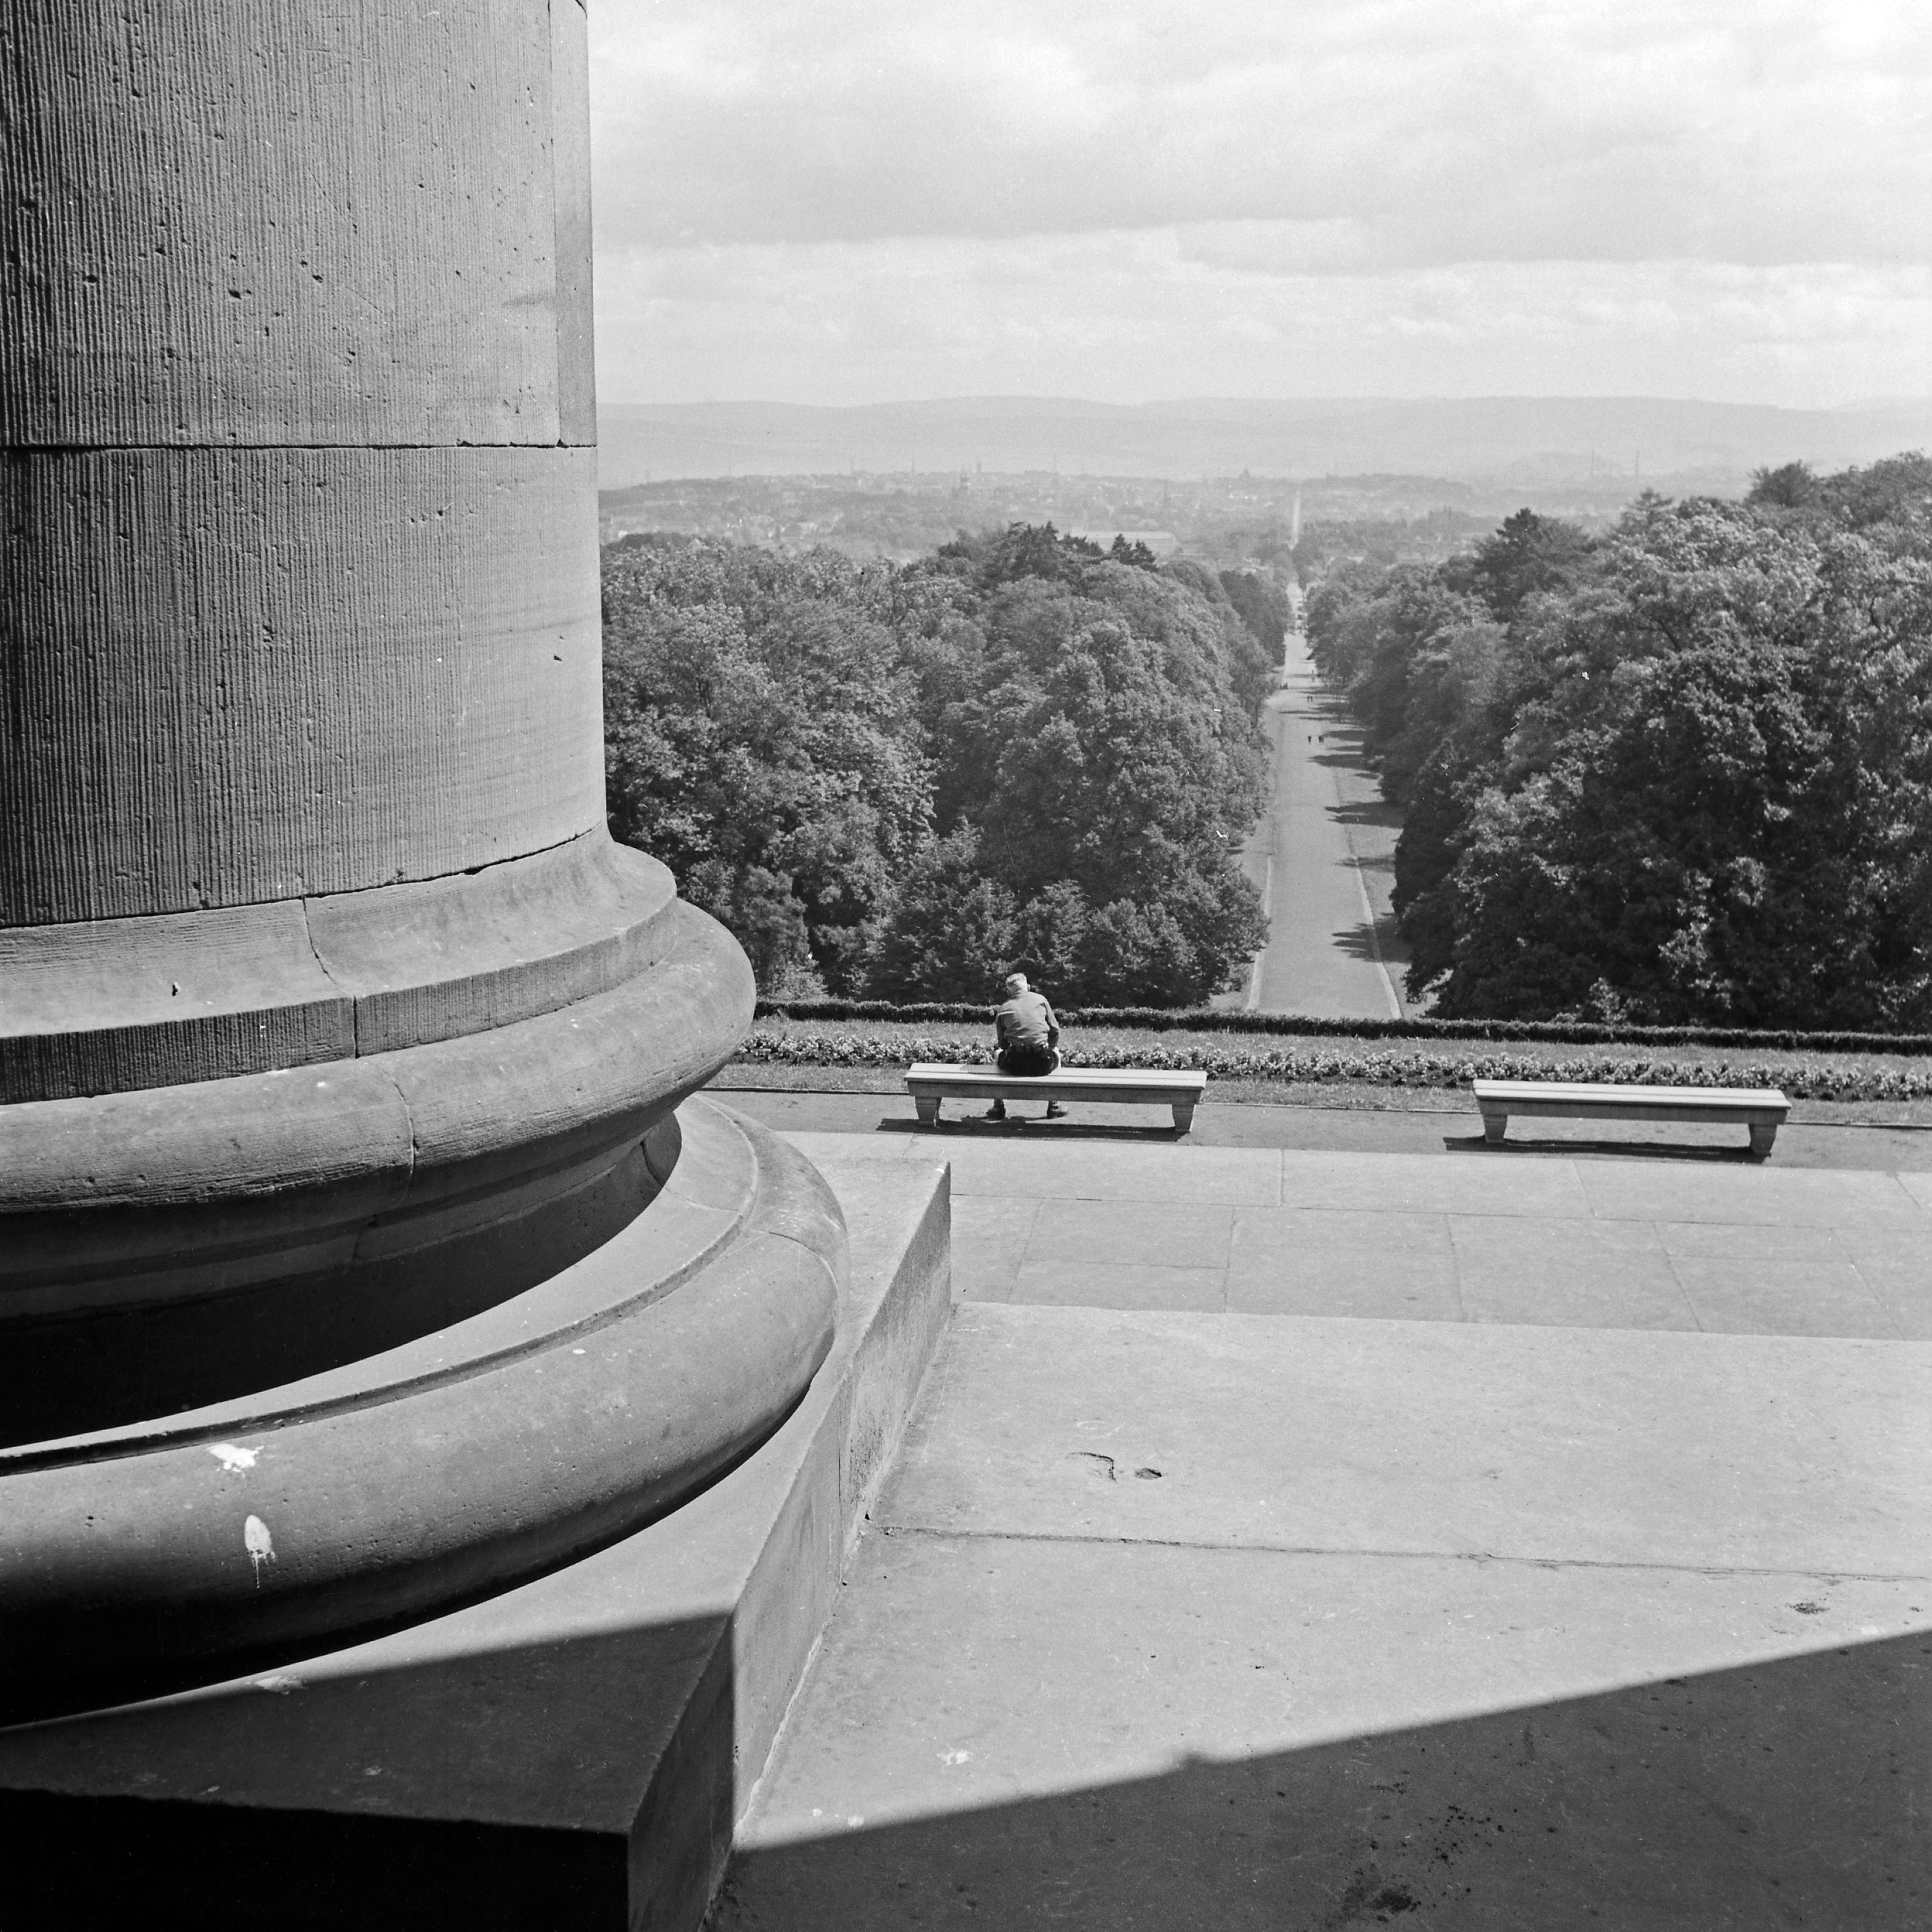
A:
(1016, 982)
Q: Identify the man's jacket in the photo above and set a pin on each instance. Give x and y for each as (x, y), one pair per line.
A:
(1026, 1020)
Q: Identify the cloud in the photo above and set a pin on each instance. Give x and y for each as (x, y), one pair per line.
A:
(1387, 134)
(1237, 310)
(847, 199)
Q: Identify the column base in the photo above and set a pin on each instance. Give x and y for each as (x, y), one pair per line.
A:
(573, 1751)
(189, 1546)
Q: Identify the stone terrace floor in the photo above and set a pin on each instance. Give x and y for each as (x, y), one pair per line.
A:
(1553, 1232)
(1302, 1537)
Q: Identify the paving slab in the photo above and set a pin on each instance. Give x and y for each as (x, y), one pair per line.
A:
(1158, 1234)
(1580, 1274)
(1402, 1286)
(1756, 1297)
(1417, 1184)
(1485, 1237)
(1536, 1444)
(1314, 1261)
(1905, 1292)
(1120, 1284)
(1613, 1291)
(990, 1234)
(1770, 1240)
(1341, 1230)
(1641, 1191)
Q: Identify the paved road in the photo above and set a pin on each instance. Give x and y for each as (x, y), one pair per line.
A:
(1321, 849)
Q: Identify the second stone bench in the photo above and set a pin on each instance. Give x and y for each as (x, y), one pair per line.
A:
(1762, 1109)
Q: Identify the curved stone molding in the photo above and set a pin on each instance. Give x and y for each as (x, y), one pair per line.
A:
(216, 666)
(252, 1534)
(164, 1247)
(111, 1005)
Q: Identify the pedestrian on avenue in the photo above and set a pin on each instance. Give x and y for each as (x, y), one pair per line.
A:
(1029, 1040)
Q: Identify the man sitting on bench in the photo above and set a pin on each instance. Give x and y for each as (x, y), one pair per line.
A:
(1029, 1038)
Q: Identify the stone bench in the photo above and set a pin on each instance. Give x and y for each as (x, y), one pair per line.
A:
(930, 1082)
(1762, 1109)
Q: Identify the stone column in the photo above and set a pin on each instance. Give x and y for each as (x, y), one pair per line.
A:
(339, 1046)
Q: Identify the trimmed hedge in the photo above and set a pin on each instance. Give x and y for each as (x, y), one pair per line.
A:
(1565, 1032)
(1797, 1079)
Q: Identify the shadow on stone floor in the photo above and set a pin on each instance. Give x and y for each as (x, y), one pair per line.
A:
(1607, 1149)
(410, 1777)
(1782, 1794)
(1032, 1127)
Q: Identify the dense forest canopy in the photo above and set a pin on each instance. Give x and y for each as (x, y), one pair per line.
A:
(902, 781)
(1678, 771)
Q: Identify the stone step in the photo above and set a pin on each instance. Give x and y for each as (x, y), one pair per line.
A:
(1167, 1620)
(1597, 1243)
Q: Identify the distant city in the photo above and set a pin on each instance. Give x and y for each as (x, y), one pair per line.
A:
(1231, 483)
(1229, 522)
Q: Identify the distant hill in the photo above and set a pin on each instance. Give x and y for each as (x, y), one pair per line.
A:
(1526, 439)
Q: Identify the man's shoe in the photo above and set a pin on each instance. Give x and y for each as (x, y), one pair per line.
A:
(1055, 1112)
(997, 1111)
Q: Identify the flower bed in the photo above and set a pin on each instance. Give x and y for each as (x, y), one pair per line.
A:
(1155, 1019)
(1363, 1061)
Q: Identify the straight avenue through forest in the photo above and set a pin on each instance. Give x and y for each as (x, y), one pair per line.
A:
(1672, 768)
(1321, 855)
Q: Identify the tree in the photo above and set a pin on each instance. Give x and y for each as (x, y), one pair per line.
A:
(1686, 817)
(953, 931)
(1528, 556)
(759, 739)
(1095, 728)
(1262, 605)
(1791, 486)
(1682, 773)
(904, 779)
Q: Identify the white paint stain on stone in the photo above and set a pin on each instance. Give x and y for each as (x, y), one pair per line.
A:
(233, 1457)
(954, 1757)
(260, 1546)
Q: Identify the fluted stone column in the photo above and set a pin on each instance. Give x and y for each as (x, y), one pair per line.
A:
(352, 1259)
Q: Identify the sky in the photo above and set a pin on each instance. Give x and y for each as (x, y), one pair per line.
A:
(852, 201)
